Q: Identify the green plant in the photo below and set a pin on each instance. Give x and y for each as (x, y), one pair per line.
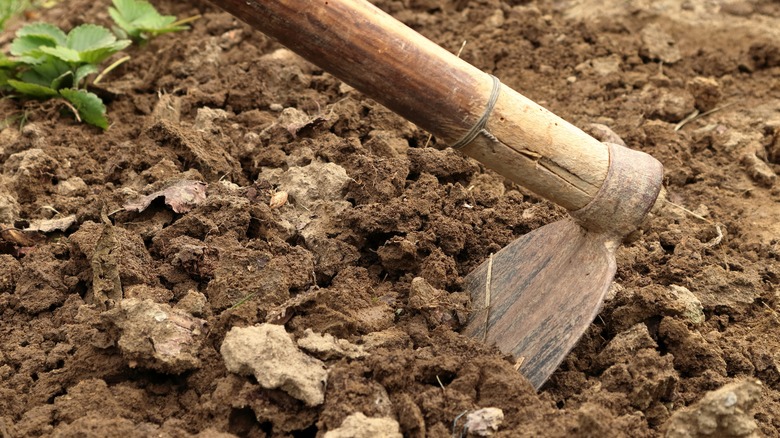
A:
(49, 63)
(11, 8)
(140, 21)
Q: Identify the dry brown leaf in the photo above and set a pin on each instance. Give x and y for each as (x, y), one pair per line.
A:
(49, 225)
(19, 237)
(181, 197)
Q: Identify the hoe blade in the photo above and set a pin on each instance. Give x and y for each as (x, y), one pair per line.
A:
(543, 291)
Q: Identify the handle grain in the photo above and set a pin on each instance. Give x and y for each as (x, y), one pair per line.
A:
(429, 86)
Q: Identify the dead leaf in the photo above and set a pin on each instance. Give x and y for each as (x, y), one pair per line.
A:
(19, 237)
(49, 225)
(181, 197)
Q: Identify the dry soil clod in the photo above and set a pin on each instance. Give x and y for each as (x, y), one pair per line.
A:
(724, 413)
(358, 425)
(267, 352)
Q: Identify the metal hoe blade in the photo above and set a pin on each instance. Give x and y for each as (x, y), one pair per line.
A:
(544, 290)
(536, 297)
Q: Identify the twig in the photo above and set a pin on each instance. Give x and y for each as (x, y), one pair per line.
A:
(455, 424)
(695, 115)
(697, 216)
(685, 121)
(717, 239)
(72, 108)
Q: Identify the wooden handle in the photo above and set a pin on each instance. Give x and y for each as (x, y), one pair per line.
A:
(429, 86)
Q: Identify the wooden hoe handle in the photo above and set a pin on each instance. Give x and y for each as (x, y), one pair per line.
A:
(429, 86)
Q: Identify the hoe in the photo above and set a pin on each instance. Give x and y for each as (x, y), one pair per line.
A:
(535, 298)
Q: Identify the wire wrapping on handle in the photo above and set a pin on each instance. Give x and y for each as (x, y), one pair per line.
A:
(482, 122)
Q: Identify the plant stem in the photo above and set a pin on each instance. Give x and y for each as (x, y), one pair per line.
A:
(187, 20)
(111, 67)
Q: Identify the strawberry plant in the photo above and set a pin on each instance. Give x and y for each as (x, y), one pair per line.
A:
(140, 21)
(51, 64)
(48, 63)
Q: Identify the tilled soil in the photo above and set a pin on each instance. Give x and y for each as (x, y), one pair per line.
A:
(279, 195)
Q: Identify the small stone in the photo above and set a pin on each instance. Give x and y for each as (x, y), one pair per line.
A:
(155, 336)
(278, 199)
(484, 422)
(423, 296)
(706, 92)
(658, 45)
(74, 186)
(496, 20)
(9, 206)
(345, 88)
(358, 425)
(693, 309)
(725, 413)
(672, 105)
(267, 352)
(315, 182)
(193, 302)
(625, 344)
(759, 170)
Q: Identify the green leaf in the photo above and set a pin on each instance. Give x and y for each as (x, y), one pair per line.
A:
(82, 72)
(4, 77)
(89, 37)
(43, 30)
(89, 106)
(63, 53)
(30, 45)
(29, 39)
(94, 43)
(139, 18)
(127, 27)
(97, 56)
(33, 90)
(6, 63)
(45, 73)
(57, 83)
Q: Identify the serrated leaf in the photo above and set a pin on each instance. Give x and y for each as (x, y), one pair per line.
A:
(82, 72)
(133, 10)
(30, 45)
(63, 53)
(43, 30)
(33, 90)
(139, 17)
(89, 106)
(127, 27)
(89, 37)
(99, 55)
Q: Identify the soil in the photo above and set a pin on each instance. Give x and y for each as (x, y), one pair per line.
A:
(322, 207)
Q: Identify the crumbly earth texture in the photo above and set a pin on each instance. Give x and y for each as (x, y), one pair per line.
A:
(327, 214)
